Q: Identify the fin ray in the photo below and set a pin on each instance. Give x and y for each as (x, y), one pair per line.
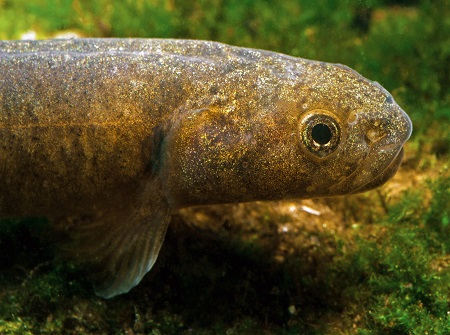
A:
(120, 247)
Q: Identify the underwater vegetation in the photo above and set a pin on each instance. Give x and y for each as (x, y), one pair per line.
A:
(376, 263)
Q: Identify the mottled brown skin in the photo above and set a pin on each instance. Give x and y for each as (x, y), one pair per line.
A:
(115, 125)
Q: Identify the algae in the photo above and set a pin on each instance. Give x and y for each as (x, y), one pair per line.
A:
(376, 263)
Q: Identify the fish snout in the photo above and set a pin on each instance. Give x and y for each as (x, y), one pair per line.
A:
(383, 135)
(396, 123)
(406, 126)
(389, 130)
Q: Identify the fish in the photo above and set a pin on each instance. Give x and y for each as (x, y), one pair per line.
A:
(108, 137)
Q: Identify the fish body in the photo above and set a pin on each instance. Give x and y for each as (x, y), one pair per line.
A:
(118, 133)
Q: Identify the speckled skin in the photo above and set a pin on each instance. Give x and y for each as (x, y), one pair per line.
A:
(87, 125)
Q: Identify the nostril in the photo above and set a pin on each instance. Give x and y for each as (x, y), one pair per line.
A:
(374, 134)
(376, 131)
(352, 116)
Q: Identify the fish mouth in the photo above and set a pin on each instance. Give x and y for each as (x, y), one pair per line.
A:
(383, 159)
(384, 176)
(373, 172)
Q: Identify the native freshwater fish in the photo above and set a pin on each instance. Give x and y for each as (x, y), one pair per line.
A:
(107, 137)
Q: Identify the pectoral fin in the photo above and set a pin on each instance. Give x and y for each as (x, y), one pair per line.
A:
(119, 248)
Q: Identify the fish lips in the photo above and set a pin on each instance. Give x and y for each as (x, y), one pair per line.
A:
(384, 157)
(379, 166)
(384, 176)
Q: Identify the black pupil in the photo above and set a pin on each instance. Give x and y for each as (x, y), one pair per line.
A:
(321, 133)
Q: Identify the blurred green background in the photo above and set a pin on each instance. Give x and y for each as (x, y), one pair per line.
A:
(387, 276)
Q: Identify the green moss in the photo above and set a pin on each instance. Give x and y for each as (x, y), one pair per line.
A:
(438, 214)
(14, 327)
(409, 292)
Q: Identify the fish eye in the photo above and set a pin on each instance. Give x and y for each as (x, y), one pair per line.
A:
(320, 132)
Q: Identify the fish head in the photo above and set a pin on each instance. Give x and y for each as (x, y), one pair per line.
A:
(355, 143)
(309, 130)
